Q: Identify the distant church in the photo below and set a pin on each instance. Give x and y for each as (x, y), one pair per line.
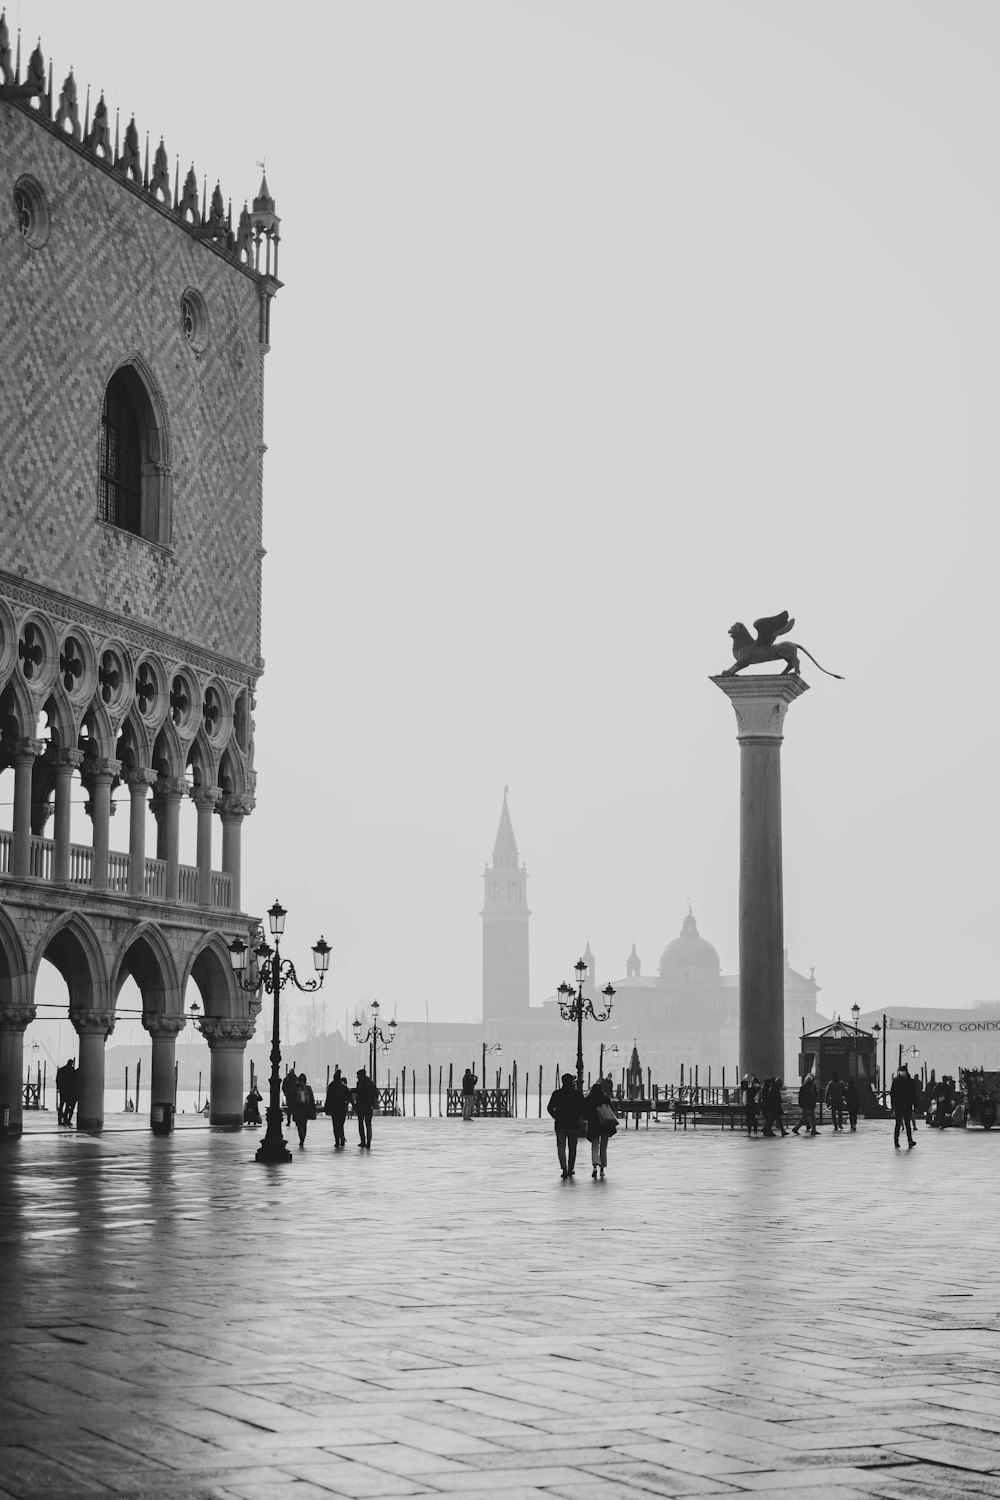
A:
(686, 1014)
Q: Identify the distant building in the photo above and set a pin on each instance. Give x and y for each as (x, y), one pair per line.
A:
(505, 917)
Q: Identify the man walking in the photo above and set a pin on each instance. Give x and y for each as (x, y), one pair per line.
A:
(338, 1097)
(807, 1104)
(565, 1107)
(365, 1099)
(469, 1081)
(66, 1091)
(835, 1092)
(901, 1099)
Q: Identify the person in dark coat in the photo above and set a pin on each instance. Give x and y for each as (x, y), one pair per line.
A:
(67, 1086)
(901, 1099)
(338, 1097)
(287, 1086)
(303, 1102)
(807, 1104)
(835, 1092)
(251, 1106)
(469, 1081)
(566, 1109)
(774, 1109)
(600, 1128)
(753, 1104)
(365, 1098)
(853, 1100)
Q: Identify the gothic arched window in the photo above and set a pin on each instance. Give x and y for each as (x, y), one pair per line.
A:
(132, 493)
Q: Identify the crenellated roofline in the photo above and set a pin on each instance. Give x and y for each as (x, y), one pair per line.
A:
(251, 248)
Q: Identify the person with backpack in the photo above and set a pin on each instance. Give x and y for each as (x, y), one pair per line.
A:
(602, 1123)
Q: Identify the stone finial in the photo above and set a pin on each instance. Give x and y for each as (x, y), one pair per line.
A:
(68, 112)
(35, 78)
(6, 72)
(189, 198)
(159, 182)
(243, 248)
(129, 163)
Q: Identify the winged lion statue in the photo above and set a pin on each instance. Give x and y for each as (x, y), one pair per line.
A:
(748, 651)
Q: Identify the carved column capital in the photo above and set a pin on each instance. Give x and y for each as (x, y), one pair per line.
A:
(16, 1017)
(761, 702)
(160, 1025)
(101, 768)
(93, 1021)
(205, 796)
(65, 760)
(25, 751)
(227, 1033)
(139, 778)
(170, 786)
(233, 807)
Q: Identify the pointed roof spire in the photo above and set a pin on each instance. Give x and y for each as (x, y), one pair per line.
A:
(505, 842)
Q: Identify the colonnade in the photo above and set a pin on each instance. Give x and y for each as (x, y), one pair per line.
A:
(98, 774)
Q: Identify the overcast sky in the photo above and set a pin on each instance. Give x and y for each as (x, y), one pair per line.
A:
(606, 325)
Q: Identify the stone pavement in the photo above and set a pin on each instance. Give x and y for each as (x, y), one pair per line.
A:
(445, 1316)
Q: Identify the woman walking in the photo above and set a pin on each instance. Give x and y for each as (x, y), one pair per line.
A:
(601, 1126)
(303, 1102)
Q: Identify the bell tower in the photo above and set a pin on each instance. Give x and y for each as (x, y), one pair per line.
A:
(505, 927)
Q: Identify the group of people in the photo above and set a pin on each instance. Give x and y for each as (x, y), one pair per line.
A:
(576, 1114)
(765, 1105)
(299, 1105)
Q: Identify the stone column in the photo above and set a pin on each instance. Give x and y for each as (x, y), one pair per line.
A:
(23, 760)
(232, 811)
(13, 1020)
(64, 763)
(205, 799)
(227, 1038)
(761, 704)
(163, 1031)
(93, 1027)
(138, 782)
(101, 772)
(167, 794)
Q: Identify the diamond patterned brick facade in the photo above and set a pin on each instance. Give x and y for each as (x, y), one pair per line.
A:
(131, 403)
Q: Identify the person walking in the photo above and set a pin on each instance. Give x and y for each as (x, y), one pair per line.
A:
(753, 1104)
(566, 1108)
(774, 1109)
(901, 1099)
(601, 1126)
(303, 1106)
(287, 1086)
(835, 1092)
(365, 1099)
(852, 1099)
(338, 1097)
(807, 1104)
(251, 1106)
(469, 1081)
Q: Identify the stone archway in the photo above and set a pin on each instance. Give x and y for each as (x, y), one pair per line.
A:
(16, 1011)
(227, 1026)
(146, 958)
(71, 945)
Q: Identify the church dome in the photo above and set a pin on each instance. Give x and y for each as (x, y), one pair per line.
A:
(689, 956)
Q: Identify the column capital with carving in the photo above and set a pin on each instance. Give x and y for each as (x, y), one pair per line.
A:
(170, 786)
(234, 807)
(205, 796)
(760, 703)
(92, 1021)
(16, 1017)
(65, 760)
(25, 750)
(226, 1033)
(101, 768)
(161, 1025)
(139, 778)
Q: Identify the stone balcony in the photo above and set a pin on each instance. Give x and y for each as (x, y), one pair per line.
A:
(154, 878)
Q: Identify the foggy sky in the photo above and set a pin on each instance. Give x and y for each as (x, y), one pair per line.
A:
(606, 325)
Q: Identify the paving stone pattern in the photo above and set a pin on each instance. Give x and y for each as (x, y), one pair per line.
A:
(445, 1316)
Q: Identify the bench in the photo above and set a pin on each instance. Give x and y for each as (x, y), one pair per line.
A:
(703, 1114)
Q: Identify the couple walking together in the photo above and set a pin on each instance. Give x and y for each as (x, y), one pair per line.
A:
(576, 1114)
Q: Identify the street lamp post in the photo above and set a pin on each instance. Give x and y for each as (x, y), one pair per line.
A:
(273, 973)
(906, 1052)
(494, 1047)
(573, 1007)
(376, 1037)
(612, 1047)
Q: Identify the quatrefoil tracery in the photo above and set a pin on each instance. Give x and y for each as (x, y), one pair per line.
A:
(70, 663)
(179, 701)
(109, 677)
(30, 650)
(145, 689)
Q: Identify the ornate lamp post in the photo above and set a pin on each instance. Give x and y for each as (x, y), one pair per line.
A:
(907, 1052)
(495, 1047)
(573, 1007)
(376, 1037)
(609, 1049)
(273, 973)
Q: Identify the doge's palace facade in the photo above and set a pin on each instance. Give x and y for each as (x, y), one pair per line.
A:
(136, 318)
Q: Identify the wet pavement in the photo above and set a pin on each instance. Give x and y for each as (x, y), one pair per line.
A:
(445, 1316)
